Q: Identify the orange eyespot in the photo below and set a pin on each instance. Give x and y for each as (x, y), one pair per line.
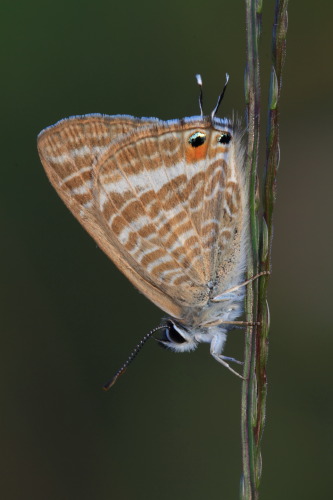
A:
(197, 139)
(197, 147)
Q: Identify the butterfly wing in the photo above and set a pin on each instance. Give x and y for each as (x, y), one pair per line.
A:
(71, 147)
(70, 151)
(154, 202)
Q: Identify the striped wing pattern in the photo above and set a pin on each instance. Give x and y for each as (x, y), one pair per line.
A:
(73, 146)
(168, 214)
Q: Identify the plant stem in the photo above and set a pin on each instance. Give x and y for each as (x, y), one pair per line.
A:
(254, 391)
(252, 94)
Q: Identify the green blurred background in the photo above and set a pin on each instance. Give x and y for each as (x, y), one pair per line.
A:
(170, 427)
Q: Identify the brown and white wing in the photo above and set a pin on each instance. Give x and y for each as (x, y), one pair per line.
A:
(225, 227)
(72, 147)
(174, 211)
(157, 205)
(70, 151)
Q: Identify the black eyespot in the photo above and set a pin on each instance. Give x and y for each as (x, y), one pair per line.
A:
(197, 139)
(224, 138)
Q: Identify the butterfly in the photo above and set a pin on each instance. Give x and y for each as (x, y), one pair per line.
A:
(167, 201)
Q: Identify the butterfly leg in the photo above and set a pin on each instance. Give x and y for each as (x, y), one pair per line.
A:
(232, 360)
(216, 347)
(236, 324)
(220, 359)
(221, 297)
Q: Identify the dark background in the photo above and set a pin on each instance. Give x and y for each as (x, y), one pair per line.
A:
(170, 428)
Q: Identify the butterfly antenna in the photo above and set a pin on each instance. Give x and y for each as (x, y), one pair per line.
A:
(220, 97)
(199, 82)
(133, 354)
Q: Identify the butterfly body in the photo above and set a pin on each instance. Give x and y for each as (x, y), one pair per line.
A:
(167, 202)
